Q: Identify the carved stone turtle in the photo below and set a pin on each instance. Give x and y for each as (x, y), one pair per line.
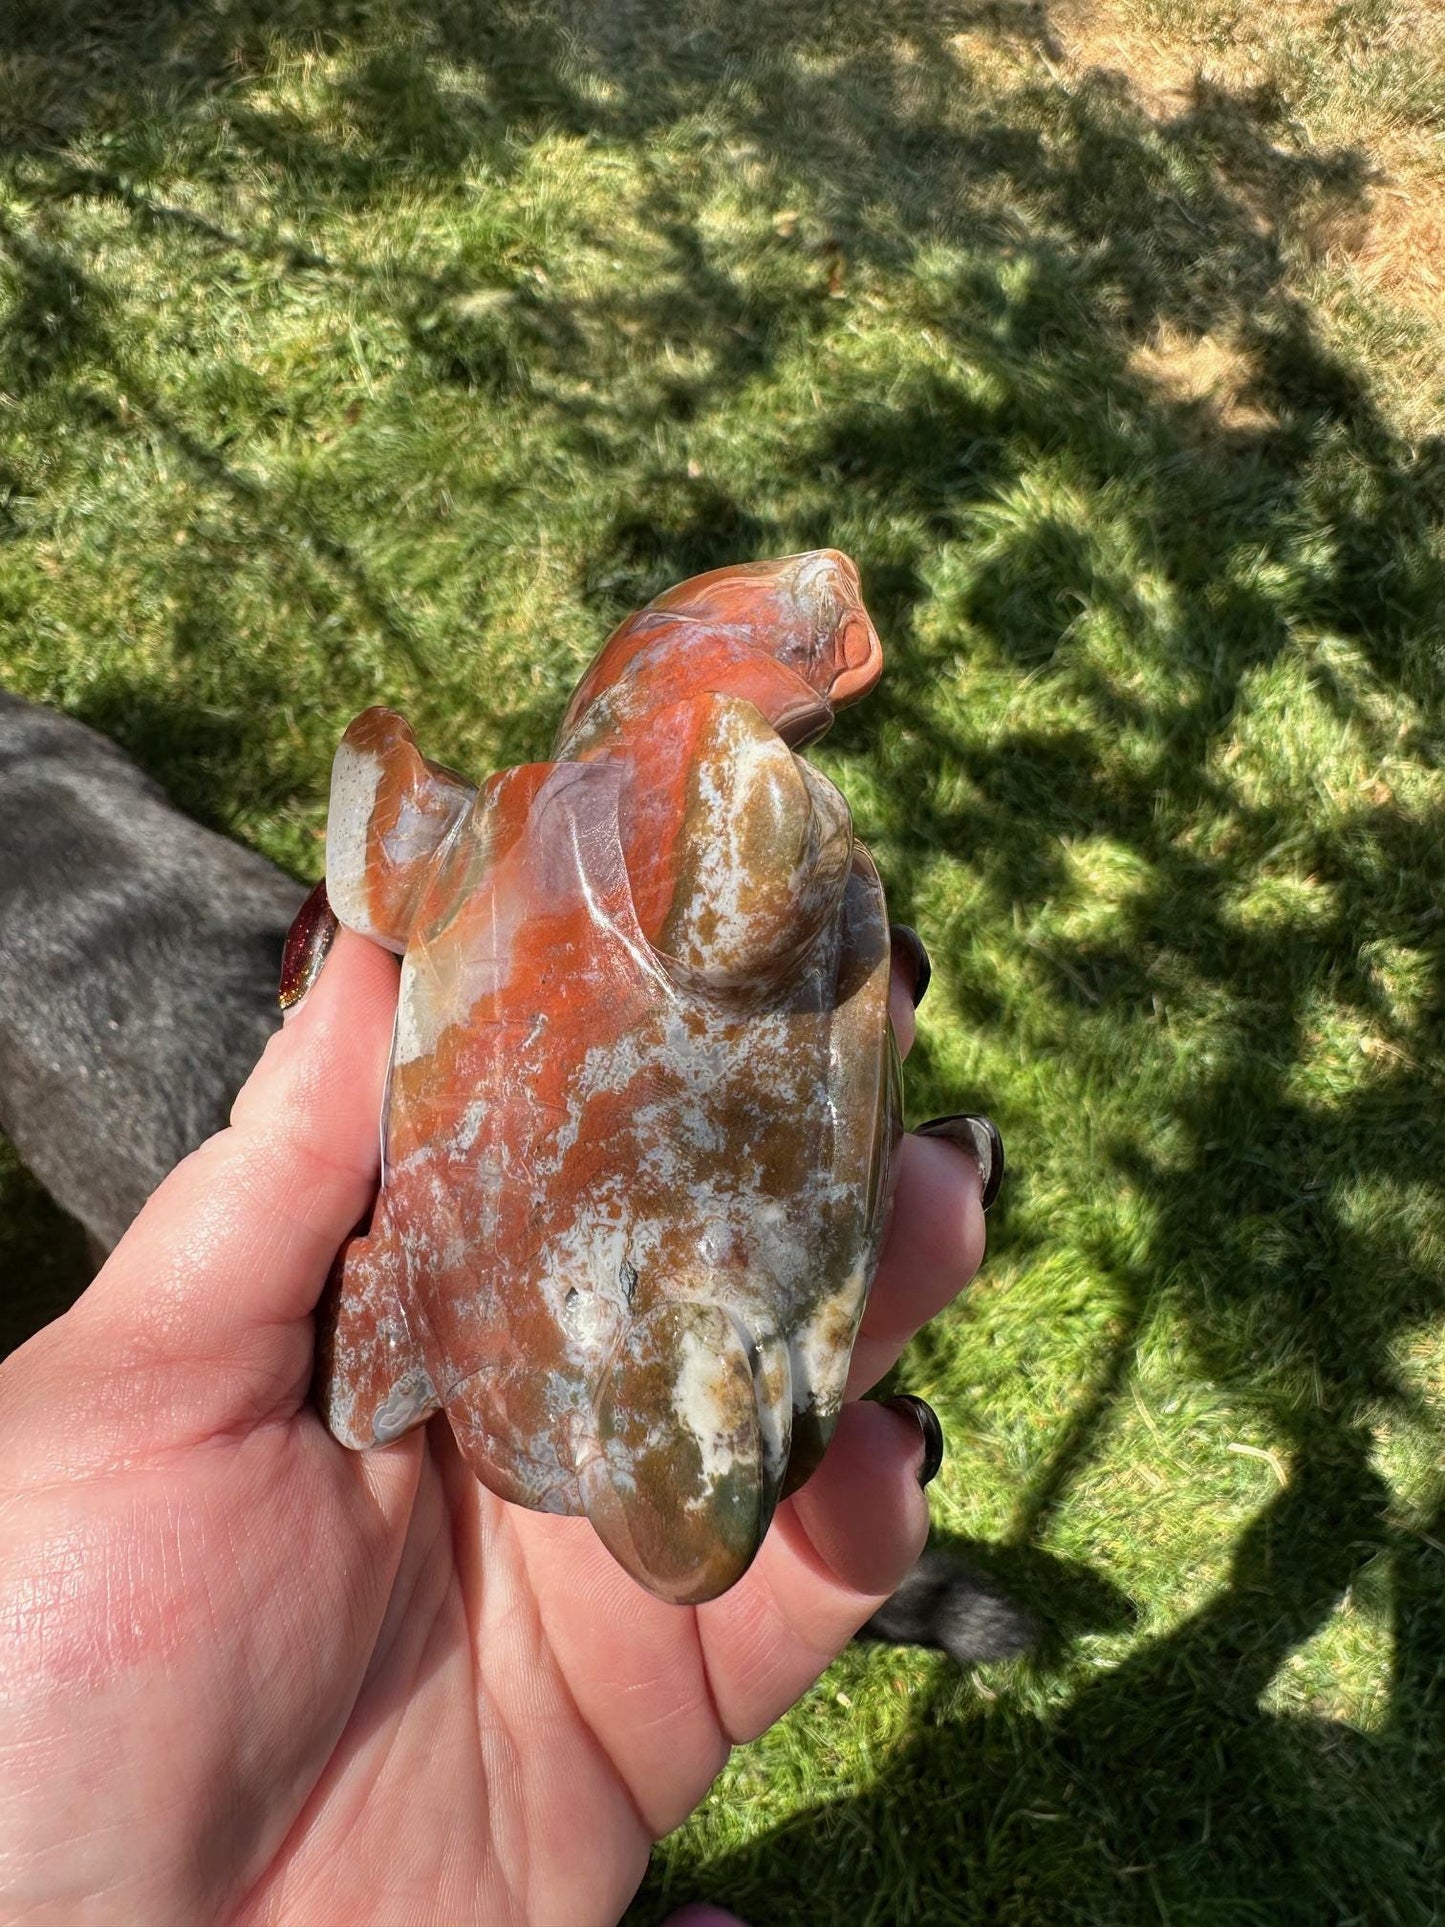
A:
(643, 1094)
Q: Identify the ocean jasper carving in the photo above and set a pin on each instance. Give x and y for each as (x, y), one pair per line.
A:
(643, 1094)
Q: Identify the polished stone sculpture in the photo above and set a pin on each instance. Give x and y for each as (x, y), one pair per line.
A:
(643, 1095)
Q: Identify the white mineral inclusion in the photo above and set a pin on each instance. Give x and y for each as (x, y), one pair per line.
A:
(584, 1268)
(431, 1000)
(355, 780)
(774, 1379)
(413, 837)
(721, 871)
(419, 1021)
(591, 1320)
(815, 584)
(820, 1363)
(699, 1403)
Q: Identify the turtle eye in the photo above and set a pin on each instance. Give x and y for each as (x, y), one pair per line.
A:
(855, 642)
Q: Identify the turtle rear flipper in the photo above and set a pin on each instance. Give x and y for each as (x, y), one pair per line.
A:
(758, 860)
(372, 1382)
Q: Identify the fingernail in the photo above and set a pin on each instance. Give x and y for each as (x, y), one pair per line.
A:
(307, 942)
(977, 1135)
(907, 940)
(927, 1421)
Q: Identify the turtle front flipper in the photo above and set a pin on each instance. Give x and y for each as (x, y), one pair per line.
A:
(391, 812)
(371, 1380)
(759, 852)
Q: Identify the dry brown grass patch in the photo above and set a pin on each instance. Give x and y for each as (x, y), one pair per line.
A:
(1311, 59)
(1401, 255)
(1123, 39)
(1166, 49)
(1209, 375)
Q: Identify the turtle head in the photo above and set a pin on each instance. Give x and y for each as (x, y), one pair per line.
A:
(806, 611)
(790, 636)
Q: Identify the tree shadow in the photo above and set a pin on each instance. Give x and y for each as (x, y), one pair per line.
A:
(1162, 1792)
(1077, 226)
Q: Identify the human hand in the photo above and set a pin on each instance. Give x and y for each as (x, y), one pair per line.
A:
(249, 1676)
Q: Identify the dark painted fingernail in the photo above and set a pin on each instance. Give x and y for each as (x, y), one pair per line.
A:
(927, 1421)
(907, 940)
(978, 1135)
(307, 942)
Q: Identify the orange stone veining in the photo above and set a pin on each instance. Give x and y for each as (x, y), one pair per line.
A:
(643, 1094)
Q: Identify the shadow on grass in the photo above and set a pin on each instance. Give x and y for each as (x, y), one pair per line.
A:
(1165, 1790)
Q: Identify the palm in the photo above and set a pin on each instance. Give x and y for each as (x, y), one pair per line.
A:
(284, 1681)
(449, 1753)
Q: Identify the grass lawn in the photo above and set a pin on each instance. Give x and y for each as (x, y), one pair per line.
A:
(364, 352)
